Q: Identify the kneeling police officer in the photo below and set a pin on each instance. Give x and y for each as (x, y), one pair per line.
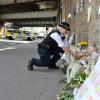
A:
(50, 48)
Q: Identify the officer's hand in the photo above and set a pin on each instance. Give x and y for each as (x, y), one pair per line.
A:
(66, 36)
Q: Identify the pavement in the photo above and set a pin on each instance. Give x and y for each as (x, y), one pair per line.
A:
(18, 83)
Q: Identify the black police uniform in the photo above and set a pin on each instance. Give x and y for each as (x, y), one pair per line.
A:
(48, 51)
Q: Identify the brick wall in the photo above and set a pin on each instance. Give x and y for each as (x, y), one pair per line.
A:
(84, 30)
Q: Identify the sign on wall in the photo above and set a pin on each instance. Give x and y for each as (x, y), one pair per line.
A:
(81, 5)
(99, 10)
(89, 13)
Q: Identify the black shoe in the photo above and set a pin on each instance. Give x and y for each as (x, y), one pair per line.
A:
(30, 65)
(53, 67)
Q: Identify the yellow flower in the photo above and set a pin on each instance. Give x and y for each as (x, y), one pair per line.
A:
(83, 43)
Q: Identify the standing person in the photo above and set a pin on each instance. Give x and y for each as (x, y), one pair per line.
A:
(53, 44)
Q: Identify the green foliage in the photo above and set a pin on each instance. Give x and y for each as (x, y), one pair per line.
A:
(75, 83)
(65, 95)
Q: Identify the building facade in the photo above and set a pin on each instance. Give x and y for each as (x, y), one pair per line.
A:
(84, 17)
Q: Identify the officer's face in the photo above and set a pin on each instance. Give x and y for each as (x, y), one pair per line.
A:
(64, 31)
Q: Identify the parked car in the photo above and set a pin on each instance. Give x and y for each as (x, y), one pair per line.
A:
(40, 35)
(12, 34)
(26, 35)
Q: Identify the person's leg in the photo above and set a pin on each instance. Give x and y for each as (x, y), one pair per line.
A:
(55, 57)
(44, 58)
(42, 62)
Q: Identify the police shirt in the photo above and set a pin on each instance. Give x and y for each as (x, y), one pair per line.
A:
(61, 43)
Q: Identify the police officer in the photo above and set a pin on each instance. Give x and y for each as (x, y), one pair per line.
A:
(53, 44)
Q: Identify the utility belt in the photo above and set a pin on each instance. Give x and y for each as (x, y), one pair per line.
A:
(42, 45)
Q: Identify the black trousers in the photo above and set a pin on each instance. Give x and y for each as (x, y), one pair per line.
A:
(47, 58)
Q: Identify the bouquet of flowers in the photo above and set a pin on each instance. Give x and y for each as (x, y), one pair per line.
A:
(68, 88)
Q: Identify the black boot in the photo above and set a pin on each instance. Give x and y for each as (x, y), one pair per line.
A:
(30, 65)
(53, 67)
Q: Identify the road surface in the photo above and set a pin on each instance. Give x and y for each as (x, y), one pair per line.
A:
(17, 83)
